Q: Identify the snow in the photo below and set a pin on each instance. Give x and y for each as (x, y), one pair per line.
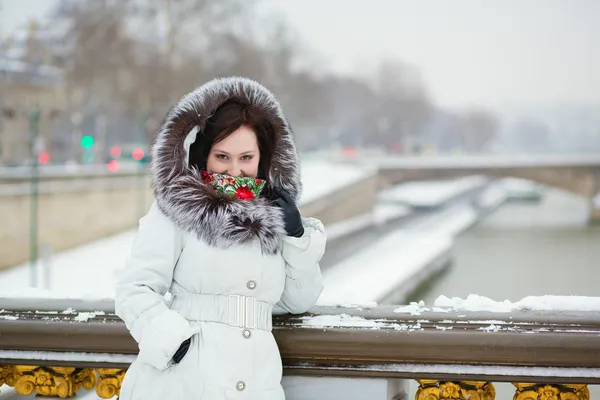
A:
(466, 369)
(492, 197)
(85, 316)
(349, 226)
(66, 356)
(349, 321)
(517, 188)
(345, 320)
(321, 178)
(412, 308)
(432, 193)
(535, 303)
(80, 317)
(381, 214)
(419, 308)
(71, 271)
(376, 271)
(385, 212)
(450, 222)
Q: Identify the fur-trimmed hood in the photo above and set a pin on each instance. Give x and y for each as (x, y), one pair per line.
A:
(192, 205)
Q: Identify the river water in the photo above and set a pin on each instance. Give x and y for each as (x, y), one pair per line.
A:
(525, 249)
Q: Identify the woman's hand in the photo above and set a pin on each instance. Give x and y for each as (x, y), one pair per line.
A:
(291, 214)
(182, 351)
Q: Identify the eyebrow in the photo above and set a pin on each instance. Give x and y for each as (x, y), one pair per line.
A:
(242, 154)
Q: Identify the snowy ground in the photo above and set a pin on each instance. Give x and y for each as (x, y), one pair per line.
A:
(321, 178)
(431, 193)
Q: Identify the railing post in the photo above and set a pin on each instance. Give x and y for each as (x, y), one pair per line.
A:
(471, 390)
(57, 382)
(110, 381)
(533, 391)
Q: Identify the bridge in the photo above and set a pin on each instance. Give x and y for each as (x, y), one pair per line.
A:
(575, 173)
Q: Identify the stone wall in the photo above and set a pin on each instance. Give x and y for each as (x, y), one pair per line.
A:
(68, 219)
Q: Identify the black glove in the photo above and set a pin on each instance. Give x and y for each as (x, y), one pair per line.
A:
(291, 214)
(182, 351)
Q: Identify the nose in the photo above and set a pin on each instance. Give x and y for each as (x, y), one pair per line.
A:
(234, 170)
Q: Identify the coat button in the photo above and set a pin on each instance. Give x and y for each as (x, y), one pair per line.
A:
(251, 285)
(240, 386)
(247, 333)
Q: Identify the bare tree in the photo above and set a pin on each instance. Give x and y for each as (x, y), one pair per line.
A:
(402, 108)
(133, 57)
(478, 128)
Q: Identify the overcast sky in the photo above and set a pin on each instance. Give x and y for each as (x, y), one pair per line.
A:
(497, 53)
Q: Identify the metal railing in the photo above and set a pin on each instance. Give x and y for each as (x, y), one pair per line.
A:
(57, 347)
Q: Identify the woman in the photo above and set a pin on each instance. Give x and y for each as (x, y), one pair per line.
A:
(224, 261)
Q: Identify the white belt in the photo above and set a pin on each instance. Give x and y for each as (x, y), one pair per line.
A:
(233, 310)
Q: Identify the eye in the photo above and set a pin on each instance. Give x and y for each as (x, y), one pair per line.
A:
(221, 156)
(247, 158)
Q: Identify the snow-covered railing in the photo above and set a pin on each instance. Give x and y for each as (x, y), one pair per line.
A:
(56, 347)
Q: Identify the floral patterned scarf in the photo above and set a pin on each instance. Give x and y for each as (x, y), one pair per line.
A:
(242, 187)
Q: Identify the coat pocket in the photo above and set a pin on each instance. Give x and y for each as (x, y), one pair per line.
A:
(177, 381)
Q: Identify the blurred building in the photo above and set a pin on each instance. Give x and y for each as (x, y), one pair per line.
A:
(28, 83)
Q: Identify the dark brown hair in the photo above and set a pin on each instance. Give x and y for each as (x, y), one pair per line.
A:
(226, 119)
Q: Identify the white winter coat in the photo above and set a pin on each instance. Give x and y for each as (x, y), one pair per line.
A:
(223, 265)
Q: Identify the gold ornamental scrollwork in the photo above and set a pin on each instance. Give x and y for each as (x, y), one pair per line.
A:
(534, 391)
(467, 390)
(109, 382)
(60, 382)
(6, 373)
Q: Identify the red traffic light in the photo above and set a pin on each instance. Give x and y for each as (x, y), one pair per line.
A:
(115, 152)
(137, 154)
(44, 158)
(113, 166)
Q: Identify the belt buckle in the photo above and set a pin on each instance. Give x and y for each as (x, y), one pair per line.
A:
(250, 316)
(242, 311)
(234, 308)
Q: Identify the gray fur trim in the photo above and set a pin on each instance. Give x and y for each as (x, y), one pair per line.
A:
(181, 194)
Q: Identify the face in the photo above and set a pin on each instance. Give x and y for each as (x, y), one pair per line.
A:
(236, 155)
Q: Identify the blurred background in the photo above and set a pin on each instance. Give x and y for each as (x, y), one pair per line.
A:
(451, 148)
(400, 76)
(470, 97)
(478, 122)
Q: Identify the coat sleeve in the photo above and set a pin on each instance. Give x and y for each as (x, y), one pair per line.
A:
(303, 281)
(141, 287)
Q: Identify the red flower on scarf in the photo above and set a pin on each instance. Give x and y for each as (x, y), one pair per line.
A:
(206, 177)
(244, 193)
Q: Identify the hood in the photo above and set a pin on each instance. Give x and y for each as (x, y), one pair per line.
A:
(216, 218)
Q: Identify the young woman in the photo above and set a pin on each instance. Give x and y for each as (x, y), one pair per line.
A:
(224, 260)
